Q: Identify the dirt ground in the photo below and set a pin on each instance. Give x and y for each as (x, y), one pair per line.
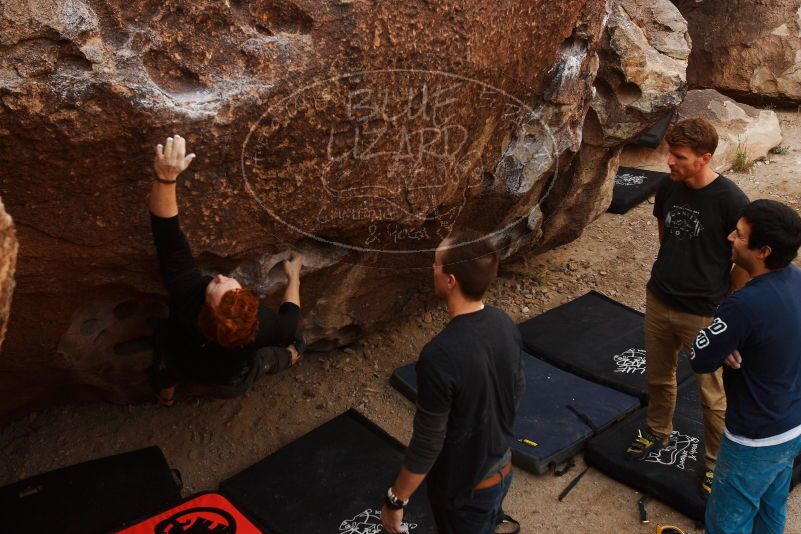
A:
(210, 440)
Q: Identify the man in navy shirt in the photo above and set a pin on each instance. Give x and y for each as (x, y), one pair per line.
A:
(757, 333)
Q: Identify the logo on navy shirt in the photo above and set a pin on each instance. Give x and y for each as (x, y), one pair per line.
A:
(683, 222)
(718, 326)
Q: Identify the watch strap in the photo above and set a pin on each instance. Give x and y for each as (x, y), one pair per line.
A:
(393, 501)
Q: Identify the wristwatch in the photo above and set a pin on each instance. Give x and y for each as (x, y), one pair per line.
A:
(393, 502)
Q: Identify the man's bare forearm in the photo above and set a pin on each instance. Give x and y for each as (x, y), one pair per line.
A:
(292, 292)
(407, 483)
(163, 201)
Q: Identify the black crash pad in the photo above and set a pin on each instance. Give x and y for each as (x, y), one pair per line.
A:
(94, 496)
(558, 413)
(653, 137)
(332, 479)
(672, 475)
(598, 339)
(633, 186)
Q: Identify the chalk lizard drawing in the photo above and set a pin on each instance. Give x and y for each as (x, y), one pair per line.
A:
(630, 361)
(628, 180)
(682, 447)
(367, 522)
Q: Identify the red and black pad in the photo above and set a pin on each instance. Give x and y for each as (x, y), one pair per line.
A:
(633, 186)
(202, 513)
(596, 338)
(333, 479)
(673, 474)
(559, 412)
(95, 496)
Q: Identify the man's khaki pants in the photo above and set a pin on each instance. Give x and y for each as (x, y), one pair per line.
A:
(666, 332)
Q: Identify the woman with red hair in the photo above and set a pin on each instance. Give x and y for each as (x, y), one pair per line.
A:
(219, 336)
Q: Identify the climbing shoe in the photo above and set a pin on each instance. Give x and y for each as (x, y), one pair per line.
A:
(706, 483)
(505, 524)
(644, 443)
(300, 342)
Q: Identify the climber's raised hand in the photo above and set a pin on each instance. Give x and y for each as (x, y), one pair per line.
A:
(171, 158)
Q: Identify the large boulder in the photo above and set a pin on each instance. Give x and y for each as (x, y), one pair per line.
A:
(357, 132)
(745, 133)
(747, 49)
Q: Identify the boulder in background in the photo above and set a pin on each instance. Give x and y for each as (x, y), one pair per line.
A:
(741, 128)
(748, 49)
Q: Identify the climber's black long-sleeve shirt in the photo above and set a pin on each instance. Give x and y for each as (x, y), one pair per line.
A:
(196, 356)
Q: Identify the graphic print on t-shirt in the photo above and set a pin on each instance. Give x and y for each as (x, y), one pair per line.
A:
(683, 222)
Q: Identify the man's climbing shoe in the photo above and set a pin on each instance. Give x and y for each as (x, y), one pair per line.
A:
(706, 483)
(300, 342)
(505, 524)
(644, 443)
(166, 396)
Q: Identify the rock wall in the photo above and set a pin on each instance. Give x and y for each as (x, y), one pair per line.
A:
(359, 133)
(748, 49)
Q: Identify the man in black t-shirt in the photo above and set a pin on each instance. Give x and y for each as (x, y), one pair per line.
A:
(696, 209)
(469, 379)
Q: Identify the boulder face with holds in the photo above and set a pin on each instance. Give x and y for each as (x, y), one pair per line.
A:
(358, 134)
